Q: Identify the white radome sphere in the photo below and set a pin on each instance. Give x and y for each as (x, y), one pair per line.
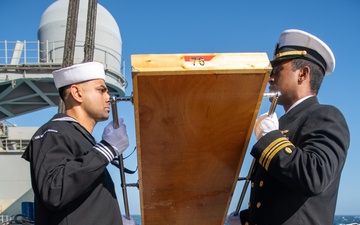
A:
(52, 28)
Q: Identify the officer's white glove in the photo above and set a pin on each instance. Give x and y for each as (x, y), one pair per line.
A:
(264, 124)
(128, 222)
(234, 220)
(117, 138)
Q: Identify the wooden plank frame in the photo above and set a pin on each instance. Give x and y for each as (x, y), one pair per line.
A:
(194, 116)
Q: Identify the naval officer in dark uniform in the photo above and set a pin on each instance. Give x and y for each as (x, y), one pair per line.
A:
(301, 156)
(68, 166)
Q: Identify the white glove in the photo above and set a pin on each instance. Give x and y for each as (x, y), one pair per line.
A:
(234, 220)
(128, 222)
(264, 124)
(117, 138)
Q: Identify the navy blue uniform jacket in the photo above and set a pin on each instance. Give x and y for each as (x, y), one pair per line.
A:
(69, 177)
(297, 176)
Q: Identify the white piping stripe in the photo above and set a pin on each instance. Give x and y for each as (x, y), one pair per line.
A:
(107, 150)
(104, 150)
(67, 118)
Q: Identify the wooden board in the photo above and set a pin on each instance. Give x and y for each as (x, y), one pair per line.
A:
(194, 115)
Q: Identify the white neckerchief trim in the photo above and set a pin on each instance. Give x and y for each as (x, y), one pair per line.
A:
(66, 118)
(298, 102)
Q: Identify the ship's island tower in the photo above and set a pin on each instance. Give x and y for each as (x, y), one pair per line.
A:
(26, 85)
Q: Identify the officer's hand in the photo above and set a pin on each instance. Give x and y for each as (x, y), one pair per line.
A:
(264, 124)
(117, 138)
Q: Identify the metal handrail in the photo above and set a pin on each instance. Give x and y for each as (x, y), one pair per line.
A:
(41, 53)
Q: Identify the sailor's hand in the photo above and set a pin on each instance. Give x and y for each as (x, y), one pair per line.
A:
(264, 124)
(128, 222)
(117, 138)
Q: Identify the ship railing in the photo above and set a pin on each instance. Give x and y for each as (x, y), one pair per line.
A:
(51, 53)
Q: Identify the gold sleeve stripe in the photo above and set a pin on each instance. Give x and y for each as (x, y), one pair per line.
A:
(272, 150)
(271, 146)
(274, 153)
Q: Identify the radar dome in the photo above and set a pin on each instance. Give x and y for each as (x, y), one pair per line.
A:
(108, 43)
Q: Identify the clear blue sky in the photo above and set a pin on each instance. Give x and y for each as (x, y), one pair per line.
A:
(210, 26)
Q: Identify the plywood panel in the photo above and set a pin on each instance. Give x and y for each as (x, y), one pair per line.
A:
(194, 119)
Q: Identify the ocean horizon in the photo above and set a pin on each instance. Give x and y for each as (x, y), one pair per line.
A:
(339, 219)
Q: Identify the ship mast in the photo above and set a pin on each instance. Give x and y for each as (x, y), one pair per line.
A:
(70, 36)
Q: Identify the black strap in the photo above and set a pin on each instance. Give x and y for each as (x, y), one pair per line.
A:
(116, 163)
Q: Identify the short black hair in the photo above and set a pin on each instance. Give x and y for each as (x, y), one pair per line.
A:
(62, 92)
(316, 72)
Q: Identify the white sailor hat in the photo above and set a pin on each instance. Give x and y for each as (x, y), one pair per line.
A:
(300, 44)
(78, 73)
